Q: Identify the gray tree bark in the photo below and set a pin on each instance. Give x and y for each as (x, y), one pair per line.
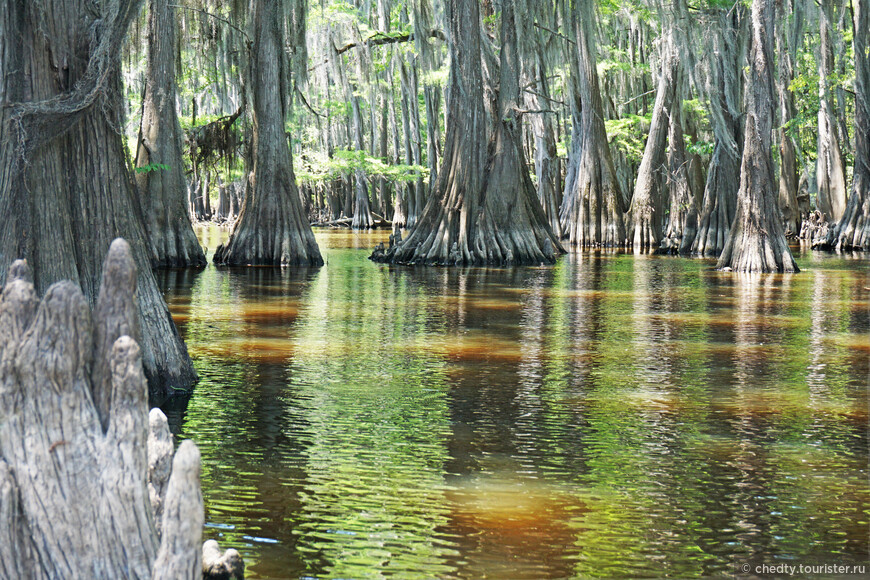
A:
(163, 190)
(79, 483)
(683, 213)
(724, 90)
(272, 228)
(789, 23)
(647, 203)
(830, 166)
(362, 215)
(546, 161)
(593, 203)
(65, 186)
(852, 232)
(756, 242)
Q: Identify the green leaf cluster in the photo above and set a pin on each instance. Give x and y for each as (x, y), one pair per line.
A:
(318, 168)
(628, 135)
(153, 167)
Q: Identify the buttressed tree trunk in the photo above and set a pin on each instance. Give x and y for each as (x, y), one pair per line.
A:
(593, 204)
(853, 230)
(272, 228)
(724, 91)
(683, 214)
(85, 490)
(362, 215)
(484, 209)
(647, 202)
(65, 186)
(160, 177)
(830, 167)
(789, 23)
(756, 242)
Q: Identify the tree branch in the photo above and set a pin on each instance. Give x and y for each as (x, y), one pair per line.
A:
(554, 32)
(215, 16)
(379, 38)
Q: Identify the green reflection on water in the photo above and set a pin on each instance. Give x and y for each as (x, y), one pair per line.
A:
(615, 415)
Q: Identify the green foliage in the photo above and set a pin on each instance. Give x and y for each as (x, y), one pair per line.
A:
(703, 148)
(318, 167)
(435, 78)
(628, 135)
(491, 21)
(201, 120)
(153, 167)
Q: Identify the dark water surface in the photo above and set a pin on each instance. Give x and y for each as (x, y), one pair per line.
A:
(614, 415)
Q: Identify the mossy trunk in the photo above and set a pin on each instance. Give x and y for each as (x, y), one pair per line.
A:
(65, 186)
(683, 213)
(546, 160)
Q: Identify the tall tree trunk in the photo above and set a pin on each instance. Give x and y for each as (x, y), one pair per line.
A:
(411, 123)
(789, 24)
(593, 204)
(546, 161)
(65, 187)
(830, 167)
(161, 180)
(683, 213)
(362, 215)
(272, 228)
(647, 203)
(398, 219)
(724, 91)
(384, 201)
(853, 230)
(484, 209)
(420, 192)
(756, 242)
(432, 100)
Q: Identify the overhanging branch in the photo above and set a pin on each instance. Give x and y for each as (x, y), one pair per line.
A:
(380, 38)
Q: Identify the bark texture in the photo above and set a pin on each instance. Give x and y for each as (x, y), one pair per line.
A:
(221, 566)
(648, 200)
(789, 23)
(272, 228)
(593, 203)
(160, 169)
(724, 88)
(484, 209)
(546, 160)
(74, 494)
(683, 213)
(830, 166)
(756, 242)
(853, 230)
(65, 188)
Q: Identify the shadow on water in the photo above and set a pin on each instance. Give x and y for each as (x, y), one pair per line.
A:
(615, 415)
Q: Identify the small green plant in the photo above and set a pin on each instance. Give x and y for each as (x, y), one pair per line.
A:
(153, 167)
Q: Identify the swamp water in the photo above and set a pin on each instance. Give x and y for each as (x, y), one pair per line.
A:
(612, 416)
